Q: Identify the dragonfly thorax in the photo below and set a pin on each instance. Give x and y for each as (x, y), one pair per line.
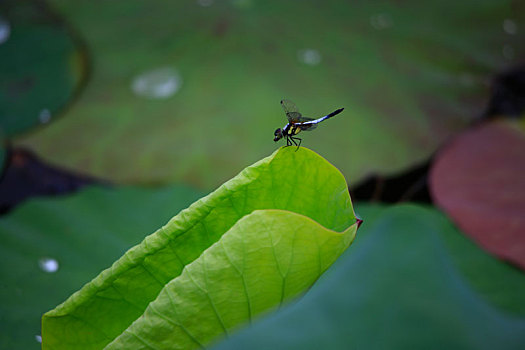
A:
(291, 129)
(287, 130)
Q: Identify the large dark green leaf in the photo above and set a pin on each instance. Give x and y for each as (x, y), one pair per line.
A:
(258, 240)
(77, 235)
(410, 281)
(41, 65)
(409, 74)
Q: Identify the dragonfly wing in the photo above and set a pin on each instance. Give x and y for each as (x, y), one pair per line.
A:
(307, 127)
(293, 117)
(306, 124)
(289, 106)
(292, 113)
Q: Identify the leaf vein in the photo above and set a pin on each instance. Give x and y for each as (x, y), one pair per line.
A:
(174, 323)
(143, 341)
(209, 300)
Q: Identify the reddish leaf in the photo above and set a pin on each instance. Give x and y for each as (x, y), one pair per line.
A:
(479, 180)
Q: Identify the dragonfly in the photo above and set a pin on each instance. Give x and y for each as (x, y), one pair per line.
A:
(297, 123)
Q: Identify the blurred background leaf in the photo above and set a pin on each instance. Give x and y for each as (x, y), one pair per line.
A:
(50, 247)
(409, 281)
(41, 65)
(479, 181)
(189, 90)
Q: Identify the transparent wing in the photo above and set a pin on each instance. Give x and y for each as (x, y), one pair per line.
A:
(292, 113)
(307, 124)
(289, 106)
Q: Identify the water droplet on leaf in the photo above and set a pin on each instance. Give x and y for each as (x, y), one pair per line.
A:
(510, 27)
(44, 116)
(159, 83)
(48, 265)
(5, 30)
(381, 21)
(311, 57)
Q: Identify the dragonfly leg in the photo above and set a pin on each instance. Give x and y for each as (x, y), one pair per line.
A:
(288, 142)
(294, 139)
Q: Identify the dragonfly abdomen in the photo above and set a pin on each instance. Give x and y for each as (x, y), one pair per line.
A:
(329, 115)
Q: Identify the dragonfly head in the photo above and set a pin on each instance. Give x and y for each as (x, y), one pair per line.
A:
(278, 135)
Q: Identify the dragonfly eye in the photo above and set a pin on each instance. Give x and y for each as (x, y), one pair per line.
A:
(278, 135)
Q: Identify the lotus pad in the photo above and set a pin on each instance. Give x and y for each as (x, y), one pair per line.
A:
(260, 239)
(184, 92)
(41, 65)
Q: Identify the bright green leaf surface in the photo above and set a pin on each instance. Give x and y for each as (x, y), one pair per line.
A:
(84, 233)
(409, 74)
(41, 66)
(261, 238)
(410, 281)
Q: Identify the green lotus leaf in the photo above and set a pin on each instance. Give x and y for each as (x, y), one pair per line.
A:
(42, 66)
(260, 239)
(185, 92)
(411, 281)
